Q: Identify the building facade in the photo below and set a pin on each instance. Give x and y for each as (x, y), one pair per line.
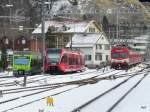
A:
(21, 43)
(96, 48)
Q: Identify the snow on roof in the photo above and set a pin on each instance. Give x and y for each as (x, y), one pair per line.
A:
(70, 26)
(47, 24)
(76, 27)
(57, 5)
(84, 40)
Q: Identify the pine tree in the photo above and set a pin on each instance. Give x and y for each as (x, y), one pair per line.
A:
(105, 25)
(50, 39)
(3, 62)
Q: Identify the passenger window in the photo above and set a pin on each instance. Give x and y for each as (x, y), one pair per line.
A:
(64, 59)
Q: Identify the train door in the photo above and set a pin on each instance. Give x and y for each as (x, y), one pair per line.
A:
(64, 62)
(36, 64)
(70, 66)
(45, 62)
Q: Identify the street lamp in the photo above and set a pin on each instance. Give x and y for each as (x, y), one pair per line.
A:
(43, 3)
(10, 16)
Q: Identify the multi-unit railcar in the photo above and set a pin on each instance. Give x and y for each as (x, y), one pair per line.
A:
(124, 57)
(26, 63)
(62, 60)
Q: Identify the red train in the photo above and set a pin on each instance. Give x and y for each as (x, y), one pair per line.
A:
(62, 60)
(123, 57)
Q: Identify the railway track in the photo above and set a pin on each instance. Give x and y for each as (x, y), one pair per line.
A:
(30, 94)
(93, 79)
(86, 104)
(39, 89)
(125, 94)
(30, 102)
(80, 83)
(44, 89)
(42, 78)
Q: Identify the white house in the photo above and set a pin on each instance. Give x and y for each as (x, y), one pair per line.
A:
(61, 32)
(95, 46)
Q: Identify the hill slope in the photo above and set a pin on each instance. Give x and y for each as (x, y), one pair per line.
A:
(28, 12)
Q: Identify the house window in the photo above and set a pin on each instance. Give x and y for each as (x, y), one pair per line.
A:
(107, 47)
(98, 56)
(107, 57)
(98, 46)
(23, 41)
(92, 30)
(6, 41)
(66, 39)
(88, 57)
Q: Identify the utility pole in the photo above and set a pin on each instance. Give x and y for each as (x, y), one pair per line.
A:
(43, 32)
(10, 6)
(117, 32)
(71, 43)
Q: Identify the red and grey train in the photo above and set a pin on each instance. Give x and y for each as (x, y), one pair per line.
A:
(62, 60)
(123, 57)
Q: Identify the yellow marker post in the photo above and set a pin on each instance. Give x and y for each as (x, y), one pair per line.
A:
(50, 101)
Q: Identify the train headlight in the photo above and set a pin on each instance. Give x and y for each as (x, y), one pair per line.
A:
(124, 61)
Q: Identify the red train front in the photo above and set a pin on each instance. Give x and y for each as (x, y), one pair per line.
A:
(123, 57)
(62, 60)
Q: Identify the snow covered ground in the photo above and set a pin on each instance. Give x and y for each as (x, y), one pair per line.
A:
(137, 101)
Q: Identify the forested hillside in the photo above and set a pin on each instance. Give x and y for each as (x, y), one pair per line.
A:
(27, 13)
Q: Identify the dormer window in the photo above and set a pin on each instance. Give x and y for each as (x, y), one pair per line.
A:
(92, 30)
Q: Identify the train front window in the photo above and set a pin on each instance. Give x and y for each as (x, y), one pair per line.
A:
(123, 55)
(119, 55)
(21, 60)
(53, 55)
(115, 55)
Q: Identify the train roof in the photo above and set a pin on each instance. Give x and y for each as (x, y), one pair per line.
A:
(22, 52)
(65, 50)
(27, 52)
(122, 46)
